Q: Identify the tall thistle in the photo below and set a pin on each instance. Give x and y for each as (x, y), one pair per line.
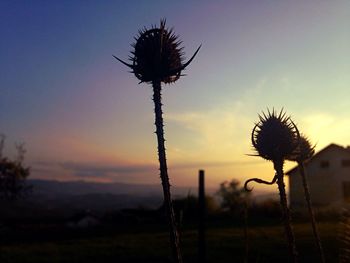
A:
(275, 137)
(302, 153)
(157, 57)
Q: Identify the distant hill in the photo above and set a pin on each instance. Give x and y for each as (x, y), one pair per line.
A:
(55, 199)
(67, 197)
(57, 188)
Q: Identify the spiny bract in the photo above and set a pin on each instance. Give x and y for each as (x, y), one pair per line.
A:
(275, 137)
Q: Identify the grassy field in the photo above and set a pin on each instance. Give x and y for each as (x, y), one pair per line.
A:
(224, 244)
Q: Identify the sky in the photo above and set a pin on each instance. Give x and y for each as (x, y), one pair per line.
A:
(83, 116)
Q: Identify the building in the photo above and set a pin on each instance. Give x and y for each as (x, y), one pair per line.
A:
(83, 220)
(328, 176)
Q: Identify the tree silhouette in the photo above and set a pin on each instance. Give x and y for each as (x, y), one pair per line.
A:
(13, 174)
(233, 197)
(157, 57)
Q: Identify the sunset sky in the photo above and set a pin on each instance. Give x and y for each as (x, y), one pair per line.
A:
(82, 116)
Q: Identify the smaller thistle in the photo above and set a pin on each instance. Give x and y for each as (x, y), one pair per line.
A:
(275, 137)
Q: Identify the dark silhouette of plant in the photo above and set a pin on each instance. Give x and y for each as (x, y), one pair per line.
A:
(302, 153)
(13, 174)
(275, 138)
(157, 57)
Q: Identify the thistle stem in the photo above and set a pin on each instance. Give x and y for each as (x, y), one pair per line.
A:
(286, 212)
(311, 212)
(174, 235)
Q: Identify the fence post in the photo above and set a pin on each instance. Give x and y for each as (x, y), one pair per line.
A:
(201, 219)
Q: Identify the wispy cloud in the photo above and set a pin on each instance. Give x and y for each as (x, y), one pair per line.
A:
(185, 172)
(88, 170)
(217, 135)
(219, 164)
(72, 170)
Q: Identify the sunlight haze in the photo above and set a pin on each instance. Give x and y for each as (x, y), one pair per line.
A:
(83, 116)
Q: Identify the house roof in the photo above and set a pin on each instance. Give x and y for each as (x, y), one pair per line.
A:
(332, 145)
(78, 216)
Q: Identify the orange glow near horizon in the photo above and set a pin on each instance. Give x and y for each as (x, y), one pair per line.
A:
(83, 116)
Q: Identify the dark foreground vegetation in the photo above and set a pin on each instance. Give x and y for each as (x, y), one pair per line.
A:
(238, 229)
(141, 236)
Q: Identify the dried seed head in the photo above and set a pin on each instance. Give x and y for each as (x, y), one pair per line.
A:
(275, 137)
(303, 151)
(157, 55)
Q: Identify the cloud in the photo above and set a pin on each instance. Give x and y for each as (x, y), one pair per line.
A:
(217, 135)
(223, 132)
(213, 164)
(181, 172)
(97, 170)
(91, 170)
(104, 170)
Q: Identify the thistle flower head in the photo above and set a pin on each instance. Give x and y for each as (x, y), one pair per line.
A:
(303, 151)
(275, 137)
(157, 55)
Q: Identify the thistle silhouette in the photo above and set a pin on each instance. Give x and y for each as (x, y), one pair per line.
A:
(302, 153)
(157, 57)
(275, 137)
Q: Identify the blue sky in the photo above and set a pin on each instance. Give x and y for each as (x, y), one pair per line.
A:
(64, 95)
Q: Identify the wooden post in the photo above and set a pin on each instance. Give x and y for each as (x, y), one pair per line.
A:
(201, 219)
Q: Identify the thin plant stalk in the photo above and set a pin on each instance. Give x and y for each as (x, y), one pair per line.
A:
(302, 171)
(286, 212)
(174, 235)
(157, 57)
